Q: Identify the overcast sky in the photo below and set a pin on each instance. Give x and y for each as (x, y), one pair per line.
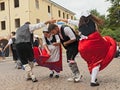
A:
(79, 6)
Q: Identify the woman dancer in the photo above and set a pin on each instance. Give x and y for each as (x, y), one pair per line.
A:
(51, 43)
(96, 50)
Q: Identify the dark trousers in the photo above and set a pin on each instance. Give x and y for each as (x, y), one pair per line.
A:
(25, 52)
(15, 54)
(71, 52)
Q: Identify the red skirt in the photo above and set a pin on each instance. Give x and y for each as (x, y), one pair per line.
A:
(42, 60)
(97, 50)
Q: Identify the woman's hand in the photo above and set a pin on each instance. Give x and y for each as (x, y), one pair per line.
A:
(56, 44)
(50, 21)
(48, 51)
(64, 20)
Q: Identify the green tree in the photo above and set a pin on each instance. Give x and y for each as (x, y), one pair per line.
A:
(113, 33)
(114, 14)
(117, 32)
(108, 32)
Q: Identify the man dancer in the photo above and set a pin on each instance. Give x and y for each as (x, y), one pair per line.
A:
(69, 42)
(24, 46)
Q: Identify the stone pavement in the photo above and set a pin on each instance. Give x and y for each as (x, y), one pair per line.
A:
(13, 79)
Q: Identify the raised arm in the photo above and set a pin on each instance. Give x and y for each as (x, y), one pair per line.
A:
(72, 22)
(33, 27)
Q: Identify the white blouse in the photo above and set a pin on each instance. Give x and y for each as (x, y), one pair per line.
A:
(49, 39)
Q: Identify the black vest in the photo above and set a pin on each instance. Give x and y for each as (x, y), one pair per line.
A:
(66, 38)
(52, 41)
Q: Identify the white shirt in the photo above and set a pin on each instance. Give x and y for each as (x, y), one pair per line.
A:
(73, 22)
(49, 39)
(68, 32)
(33, 27)
(10, 41)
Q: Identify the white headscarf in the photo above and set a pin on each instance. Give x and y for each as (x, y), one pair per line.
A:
(86, 13)
(45, 29)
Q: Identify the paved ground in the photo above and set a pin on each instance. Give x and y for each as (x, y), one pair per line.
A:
(13, 79)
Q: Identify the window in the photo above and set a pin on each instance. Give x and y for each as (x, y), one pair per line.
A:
(63, 15)
(17, 23)
(48, 9)
(59, 13)
(2, 6)
(16, 3)
(71, 17)
(3, 25)
(37, 4)
(67, 16)
(37, 20)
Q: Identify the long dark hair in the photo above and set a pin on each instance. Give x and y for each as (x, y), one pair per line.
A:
(84, 20)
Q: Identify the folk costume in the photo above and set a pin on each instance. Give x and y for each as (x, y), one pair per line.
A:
(54, 62)
(24, 47)
(96, 50)
(67, 34)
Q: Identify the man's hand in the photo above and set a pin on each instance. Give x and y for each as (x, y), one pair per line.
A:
(69, 42)
(65, 43)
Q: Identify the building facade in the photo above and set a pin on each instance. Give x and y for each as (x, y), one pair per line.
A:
(14, 13)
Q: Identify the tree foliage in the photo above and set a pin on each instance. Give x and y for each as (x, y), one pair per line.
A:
(113, 19)
(114, 14)
(111, 25)
(113, 33)
(108, 32)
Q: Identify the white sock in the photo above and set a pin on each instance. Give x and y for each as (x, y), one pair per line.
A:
(94, 73)
(51, 72)
(56, 73)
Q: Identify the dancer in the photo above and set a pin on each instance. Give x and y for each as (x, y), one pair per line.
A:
(69, 42)
(51, 43)
(96, 50)
(12, 44)
(24, 46)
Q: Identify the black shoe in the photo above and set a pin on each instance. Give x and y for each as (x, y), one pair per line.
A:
(19, 67)
(56, 76)
(34, 80)
(94, 84)
(96, 80)
(51, 75)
